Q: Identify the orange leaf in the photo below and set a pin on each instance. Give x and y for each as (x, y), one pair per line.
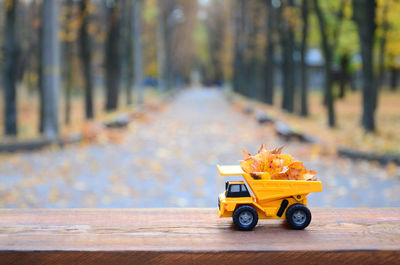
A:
(273, 163)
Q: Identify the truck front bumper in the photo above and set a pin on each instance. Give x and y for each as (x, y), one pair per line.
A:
(219, 207)
(222, 206)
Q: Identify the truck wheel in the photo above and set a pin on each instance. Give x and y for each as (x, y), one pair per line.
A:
(245, 217)
(298, 216)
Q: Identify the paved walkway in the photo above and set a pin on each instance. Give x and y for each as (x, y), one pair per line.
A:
(170, 162)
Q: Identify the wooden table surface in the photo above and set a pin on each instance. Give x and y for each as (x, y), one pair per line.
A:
(196, 236)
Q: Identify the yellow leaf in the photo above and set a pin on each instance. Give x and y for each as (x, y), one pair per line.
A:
(271, 164)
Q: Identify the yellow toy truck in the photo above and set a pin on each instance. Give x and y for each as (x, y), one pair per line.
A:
(247, 201)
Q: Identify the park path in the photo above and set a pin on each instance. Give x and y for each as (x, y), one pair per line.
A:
(170, 162)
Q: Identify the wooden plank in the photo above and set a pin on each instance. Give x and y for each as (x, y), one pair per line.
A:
(147, 236)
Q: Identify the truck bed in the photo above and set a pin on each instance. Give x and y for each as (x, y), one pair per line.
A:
(266, 190)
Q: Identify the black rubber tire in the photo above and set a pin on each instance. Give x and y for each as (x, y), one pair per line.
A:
(240, 210)
(291, 219)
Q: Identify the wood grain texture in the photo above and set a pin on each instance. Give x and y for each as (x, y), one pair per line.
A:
(196, 236)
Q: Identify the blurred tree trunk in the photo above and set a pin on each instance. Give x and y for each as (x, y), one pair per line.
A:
(344, 75)
(161, 57)
(243, 75)
(40, 72)
(288, 69)
(268, 96)
(216, 30)
(32, 55)
(238, 68)
(28, 57)
(252, 59)
(51, 68)
(327, 51)
(113, 58)
(86, 57)
(183, 21)
(333, 43)
(11, 53)
(303, 64)
(393, 78)
(169, 34)
(166, 32)
(68, 46)
(127, 47)
(382, 44)
(68, 81)
(364, 16)
(137, 42)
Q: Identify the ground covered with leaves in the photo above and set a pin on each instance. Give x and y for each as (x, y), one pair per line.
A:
(348, 132)
(168, 158)
(28, 113)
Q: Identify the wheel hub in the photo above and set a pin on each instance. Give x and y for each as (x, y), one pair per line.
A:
(299, 217)
(245, 218)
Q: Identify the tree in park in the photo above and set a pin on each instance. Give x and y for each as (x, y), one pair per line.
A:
(388, 33)
(268, 94)
(247, 66)
(137, 43)
(86, 56)
(165, 33)
(216, 28)
(178, 20)
(327, 50)
(182, 22)
(292, 18)
(345, 48)
(68, 38)
(239, 46)
(345, 43)
(364, 16)
(161, 46)
(127, 48)
(112, 55)
(50, 57)
(287, 39)
(382, 21)
(11, 52)
(303, 65)
(252, 55)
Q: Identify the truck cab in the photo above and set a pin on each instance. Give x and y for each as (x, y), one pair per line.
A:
(236, 192)
(235, 189)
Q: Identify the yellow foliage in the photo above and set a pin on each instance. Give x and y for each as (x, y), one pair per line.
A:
(9, 4)
(291, 16)
(271, 164)
(387, 19)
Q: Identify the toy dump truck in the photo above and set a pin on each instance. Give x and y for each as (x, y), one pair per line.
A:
(247, 201)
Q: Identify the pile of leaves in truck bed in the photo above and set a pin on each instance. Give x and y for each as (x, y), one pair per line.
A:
(271, 164)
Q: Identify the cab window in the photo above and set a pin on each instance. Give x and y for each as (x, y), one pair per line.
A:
(237, 190)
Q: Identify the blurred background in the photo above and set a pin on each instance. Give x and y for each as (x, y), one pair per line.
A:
(133, 103)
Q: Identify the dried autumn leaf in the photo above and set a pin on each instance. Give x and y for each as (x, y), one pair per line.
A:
(246, 165)
(272, 164)
(246, 154)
